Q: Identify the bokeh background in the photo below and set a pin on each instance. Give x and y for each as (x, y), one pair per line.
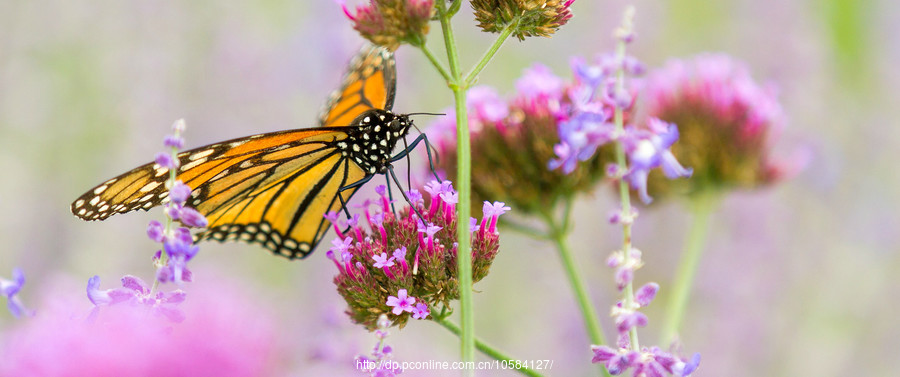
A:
(798, 279)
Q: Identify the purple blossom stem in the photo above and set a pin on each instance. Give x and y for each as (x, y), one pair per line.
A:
(177, 128)
(702, 207)
(624, 194)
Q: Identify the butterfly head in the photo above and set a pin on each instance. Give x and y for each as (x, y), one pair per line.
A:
(372, 143)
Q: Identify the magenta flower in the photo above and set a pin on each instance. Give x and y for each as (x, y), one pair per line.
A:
(401, 303)
(382, 261)
(420, 311)
(399, 252)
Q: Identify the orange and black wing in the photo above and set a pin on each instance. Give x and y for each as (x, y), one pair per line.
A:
(369, 83)
(271, 189)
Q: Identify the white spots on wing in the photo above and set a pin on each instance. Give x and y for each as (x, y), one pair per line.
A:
(103, 208)
(366, 119)
(111, 181)
(204, 154)
(237, 143)
(94, 201)
(217, 177)
(79, 203)
(160, 171)
(246, 164)
(100, 189)
(150, 186)
(356, 147)
(81, 212)
(193, 164)
(383, 143)
(377, 128)
(146, 198)
(304, 247)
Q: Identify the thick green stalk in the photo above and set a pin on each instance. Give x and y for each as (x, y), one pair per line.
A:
(464, 187)
(702, 207)
(486, 348)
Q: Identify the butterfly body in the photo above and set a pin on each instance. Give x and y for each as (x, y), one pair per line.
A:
(273, 189)
(370, 144)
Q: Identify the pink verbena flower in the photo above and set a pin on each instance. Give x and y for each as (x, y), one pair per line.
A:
(403, 265)
(727, 122)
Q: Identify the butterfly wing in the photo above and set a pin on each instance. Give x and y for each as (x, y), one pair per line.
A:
(270, 189)
(370, 83)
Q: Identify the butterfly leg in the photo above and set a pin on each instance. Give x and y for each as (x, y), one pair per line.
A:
(428, 151)
(390, 193)
(390, 170)
(354, 185)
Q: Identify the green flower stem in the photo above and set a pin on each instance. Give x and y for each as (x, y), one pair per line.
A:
(702, 207)
(464, 187)
(486, 348)
(558, 235)
(489, 54)
(436, 63)
(624, 194)
(525, 230)
(454, 8)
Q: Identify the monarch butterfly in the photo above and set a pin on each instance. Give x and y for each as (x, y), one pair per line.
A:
(274, 188)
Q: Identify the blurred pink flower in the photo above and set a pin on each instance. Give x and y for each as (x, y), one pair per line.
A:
(225, 333)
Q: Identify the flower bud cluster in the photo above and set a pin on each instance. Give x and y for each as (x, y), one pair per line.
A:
(390, 23)
(528, 18)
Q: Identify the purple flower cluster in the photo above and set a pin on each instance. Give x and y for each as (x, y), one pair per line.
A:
(402, 265)
(649, 361)
(587, 123)
(380, 364)
(178, 245)
(9, 289)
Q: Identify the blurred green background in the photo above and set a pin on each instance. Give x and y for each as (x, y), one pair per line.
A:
(798, 279)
